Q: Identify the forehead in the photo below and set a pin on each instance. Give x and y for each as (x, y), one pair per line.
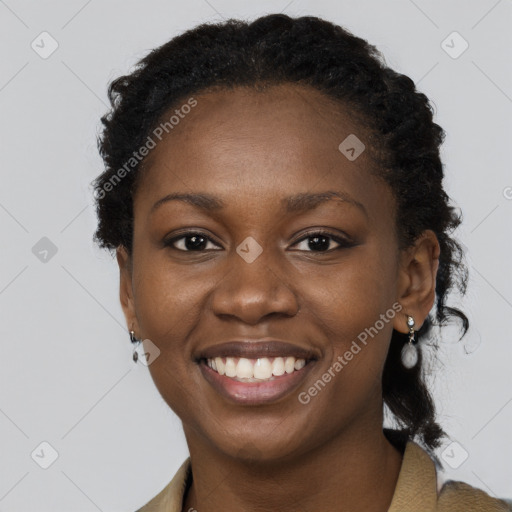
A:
(296, 114)
(283, 137)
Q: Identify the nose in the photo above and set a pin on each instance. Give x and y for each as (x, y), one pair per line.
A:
(253, 291)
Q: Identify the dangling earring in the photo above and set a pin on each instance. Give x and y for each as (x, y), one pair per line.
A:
(409, 353)
(134, 340)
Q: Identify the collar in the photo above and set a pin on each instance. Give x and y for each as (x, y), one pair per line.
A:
(416, 488)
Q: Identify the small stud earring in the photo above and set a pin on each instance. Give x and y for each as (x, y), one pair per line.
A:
(134, 340)
(409, 353)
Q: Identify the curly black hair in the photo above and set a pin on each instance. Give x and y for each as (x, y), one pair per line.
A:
(403, 141)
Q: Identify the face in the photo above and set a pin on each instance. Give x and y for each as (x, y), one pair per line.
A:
(261, 260)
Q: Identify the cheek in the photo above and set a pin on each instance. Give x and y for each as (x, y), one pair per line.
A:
(351, 297)
(352, 307)
(167, 302)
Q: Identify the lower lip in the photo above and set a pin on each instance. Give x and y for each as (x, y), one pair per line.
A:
(255, 393)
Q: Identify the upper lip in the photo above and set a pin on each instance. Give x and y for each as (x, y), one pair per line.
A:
(254, 349)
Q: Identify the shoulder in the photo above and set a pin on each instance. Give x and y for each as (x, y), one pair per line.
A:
(420, 488)
(459, 496)
(170, 498)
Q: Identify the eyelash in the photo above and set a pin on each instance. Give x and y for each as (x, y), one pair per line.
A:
(343, 243)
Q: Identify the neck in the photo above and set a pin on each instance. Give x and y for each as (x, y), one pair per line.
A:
(357, 470)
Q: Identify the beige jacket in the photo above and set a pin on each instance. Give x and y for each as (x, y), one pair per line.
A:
(418, 490)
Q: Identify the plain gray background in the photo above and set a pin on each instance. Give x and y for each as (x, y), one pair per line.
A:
(66, 374)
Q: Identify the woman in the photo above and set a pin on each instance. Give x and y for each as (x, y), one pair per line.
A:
(274, 195)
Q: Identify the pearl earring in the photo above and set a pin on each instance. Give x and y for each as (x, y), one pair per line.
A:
(409, 353)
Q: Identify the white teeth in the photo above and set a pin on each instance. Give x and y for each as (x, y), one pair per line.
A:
(230, 367)
(244, 369)
(262, 369)
(221, 367)
(278, 366)
(289, 364)
(300, 363)
(253, 370)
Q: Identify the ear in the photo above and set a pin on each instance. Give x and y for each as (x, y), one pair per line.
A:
(125, 288)
(417, 281)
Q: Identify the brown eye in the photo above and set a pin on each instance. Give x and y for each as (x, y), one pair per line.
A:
(190, 242)
(321, 241)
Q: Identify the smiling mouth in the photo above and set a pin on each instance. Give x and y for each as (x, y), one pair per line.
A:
(262, 369)
(251, 382)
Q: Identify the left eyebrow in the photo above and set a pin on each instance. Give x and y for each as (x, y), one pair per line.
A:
(297, 203)
(305, 202)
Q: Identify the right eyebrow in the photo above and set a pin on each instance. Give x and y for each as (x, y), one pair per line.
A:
(205, 202)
